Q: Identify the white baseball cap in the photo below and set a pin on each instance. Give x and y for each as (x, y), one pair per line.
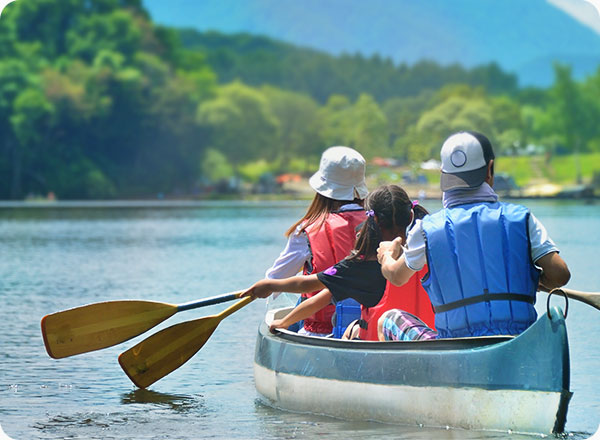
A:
(465, 158)
(341, 174)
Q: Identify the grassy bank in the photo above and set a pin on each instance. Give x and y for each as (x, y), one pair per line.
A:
(562, 170)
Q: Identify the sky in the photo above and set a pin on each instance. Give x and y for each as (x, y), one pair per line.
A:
(180, 12)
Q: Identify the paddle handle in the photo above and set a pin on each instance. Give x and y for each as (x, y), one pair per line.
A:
(234, 308)
(209, 301)
(590, 298)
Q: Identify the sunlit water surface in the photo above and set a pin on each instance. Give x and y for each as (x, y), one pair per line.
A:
(53, 258)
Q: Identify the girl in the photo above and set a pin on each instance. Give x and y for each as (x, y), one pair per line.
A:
(390, 213)
(327, 232)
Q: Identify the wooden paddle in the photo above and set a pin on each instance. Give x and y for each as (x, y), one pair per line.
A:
(167, 350)
(590, 298)
(100, 325)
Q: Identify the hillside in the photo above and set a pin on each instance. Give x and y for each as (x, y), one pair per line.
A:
(523, 37)
(258, 60)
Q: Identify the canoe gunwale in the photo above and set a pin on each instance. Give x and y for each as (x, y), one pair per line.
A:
(433, 344)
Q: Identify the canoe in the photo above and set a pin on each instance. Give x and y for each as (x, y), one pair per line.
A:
(500, 383)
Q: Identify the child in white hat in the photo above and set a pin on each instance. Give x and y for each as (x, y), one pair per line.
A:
(326, 233)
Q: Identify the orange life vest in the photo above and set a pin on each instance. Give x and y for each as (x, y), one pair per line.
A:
(411, 297)
(330, 243)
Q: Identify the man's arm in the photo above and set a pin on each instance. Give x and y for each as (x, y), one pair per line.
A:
(555, 272)
(393, 266)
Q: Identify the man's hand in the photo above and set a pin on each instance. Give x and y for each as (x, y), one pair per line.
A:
(391, 248)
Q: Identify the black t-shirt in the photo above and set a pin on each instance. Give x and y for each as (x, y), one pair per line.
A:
(357, 279)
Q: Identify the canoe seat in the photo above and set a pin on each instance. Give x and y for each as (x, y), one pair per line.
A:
(346, 311)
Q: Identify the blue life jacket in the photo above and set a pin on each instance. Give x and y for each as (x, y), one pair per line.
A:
(481, 279)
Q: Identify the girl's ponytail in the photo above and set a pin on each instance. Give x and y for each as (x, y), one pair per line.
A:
(389, 208)
(368, 238)
(419, 211)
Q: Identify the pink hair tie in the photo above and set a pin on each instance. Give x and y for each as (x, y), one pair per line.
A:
(415, 203)
(370, 213)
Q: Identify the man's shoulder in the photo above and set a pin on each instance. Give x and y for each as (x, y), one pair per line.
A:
(515, 208)
(467, 210)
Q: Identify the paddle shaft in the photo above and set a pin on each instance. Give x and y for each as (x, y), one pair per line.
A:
(209, 301)
(590, 298)
(234, 308)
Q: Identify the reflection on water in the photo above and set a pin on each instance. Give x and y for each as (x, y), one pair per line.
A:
(284, 424)
(65, 256)
(175, 402)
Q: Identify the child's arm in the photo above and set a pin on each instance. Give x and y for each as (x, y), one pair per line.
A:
(296, 284)
(304, 310)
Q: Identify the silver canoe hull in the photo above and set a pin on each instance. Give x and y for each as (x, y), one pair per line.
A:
(497, 383)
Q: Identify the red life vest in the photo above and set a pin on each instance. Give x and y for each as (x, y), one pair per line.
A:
(330, 243)
(411, 297)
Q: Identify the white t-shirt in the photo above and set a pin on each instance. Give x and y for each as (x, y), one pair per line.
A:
(415, 255)
(297, 252)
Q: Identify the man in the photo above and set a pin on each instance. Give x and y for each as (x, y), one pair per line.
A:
(486, 259)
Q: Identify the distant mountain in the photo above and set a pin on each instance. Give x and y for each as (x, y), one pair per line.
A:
(259, 60)
(522, 36)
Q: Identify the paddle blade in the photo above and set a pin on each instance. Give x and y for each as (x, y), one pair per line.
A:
(95, 326)
(167, 350)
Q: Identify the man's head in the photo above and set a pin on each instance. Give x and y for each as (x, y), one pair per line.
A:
(467, 161)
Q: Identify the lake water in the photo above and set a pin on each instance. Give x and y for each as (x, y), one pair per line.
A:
(61, 256)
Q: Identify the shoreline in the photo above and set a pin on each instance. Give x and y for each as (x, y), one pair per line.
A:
(192, 202)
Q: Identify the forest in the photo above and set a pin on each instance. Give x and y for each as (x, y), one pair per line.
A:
(99, 102)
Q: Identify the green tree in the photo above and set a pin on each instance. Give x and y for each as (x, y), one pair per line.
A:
(334, 120)
(215, 167)
(590, 92)
(117, 31)
(369, 133)
(240, 123)
(454, 114)
(298, 124)
(402, 115)
(14, 79)
(568, 113)
(30, 120)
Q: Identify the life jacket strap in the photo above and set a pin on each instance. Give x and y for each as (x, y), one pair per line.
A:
(484, 298)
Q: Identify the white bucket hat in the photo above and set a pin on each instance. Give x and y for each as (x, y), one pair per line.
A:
(341, 175)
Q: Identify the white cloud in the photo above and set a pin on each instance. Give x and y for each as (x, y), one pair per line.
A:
(586, 12)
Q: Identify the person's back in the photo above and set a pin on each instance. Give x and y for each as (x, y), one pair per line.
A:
(330, 242)
(493, 290)
(484, 257)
